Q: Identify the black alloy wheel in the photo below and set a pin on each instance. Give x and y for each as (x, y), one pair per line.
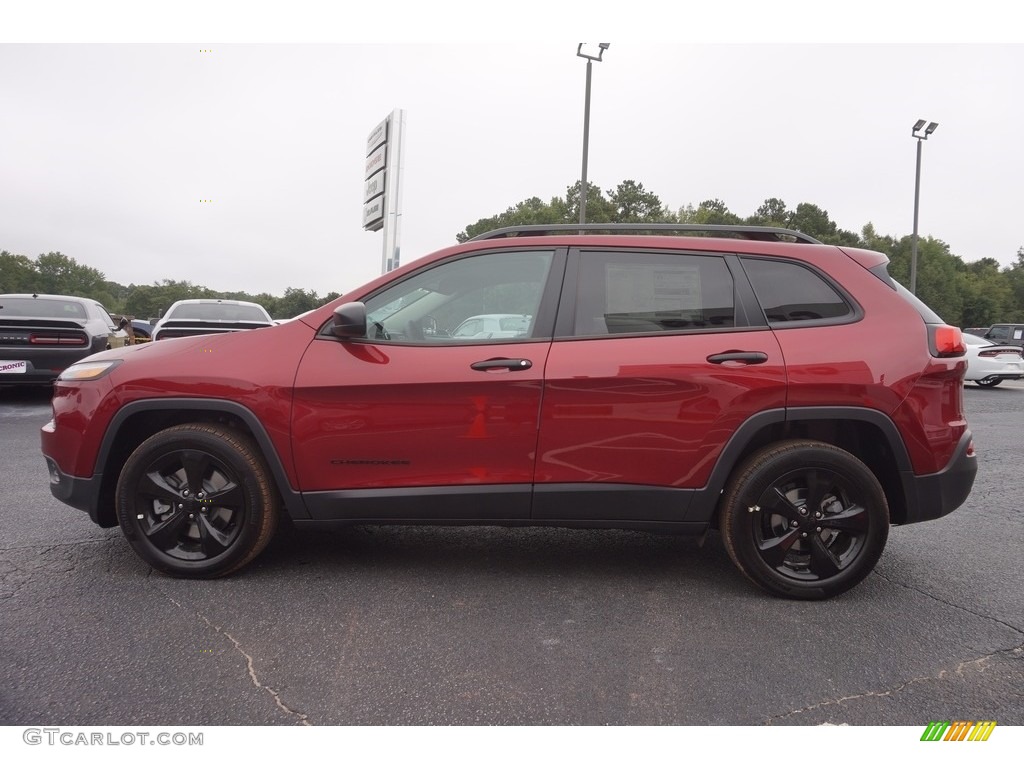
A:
(804, 519)
(196, 500)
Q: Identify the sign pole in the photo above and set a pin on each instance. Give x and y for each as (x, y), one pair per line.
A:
(390, 258)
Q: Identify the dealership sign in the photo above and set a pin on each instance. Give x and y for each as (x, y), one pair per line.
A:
(374, 209)
(382, 173)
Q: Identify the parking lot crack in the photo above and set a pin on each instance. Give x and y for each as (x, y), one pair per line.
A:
(249, 663)
(960, 670)
(938, 599)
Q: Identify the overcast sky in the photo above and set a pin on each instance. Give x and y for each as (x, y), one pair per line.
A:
(107, 150)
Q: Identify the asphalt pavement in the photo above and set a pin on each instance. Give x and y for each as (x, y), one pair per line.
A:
(400, 626)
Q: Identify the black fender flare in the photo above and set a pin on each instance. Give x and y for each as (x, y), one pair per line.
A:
(702, 508)
(293, 500)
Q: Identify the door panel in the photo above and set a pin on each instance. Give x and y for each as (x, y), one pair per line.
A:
(651, 410)
(652, 371)
(419, 407)
(376, 416)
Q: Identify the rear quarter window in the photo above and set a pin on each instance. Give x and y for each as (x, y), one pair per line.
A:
(792, 293)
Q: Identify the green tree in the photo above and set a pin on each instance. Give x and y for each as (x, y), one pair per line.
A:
(937, 279)
(600, 210)
(712, 211)
(530, 211)
(295, 302)
(148, 301)
(632, 203)
(987, 293)
(17, 274)
(771, 213)
(63, 275)
(628, 202)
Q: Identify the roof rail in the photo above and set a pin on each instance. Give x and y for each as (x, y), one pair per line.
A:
(772, 234)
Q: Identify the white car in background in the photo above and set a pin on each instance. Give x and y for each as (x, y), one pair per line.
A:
(195, 317)
(493, 327)
(990, 364)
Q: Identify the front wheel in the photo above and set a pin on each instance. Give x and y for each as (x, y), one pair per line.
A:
(196, 501)
(804, 519)
(991, 381)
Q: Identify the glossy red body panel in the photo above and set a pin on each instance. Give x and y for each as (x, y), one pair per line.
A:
(255, 369)
(80, 415)
(378, 416)
(651, 410)
(932, 419)
(881, 362)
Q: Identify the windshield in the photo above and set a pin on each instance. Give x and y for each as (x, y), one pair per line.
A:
(218, 312)
(10, 307)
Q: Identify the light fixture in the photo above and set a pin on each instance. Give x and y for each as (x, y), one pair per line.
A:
(916, 133)
(591, 56)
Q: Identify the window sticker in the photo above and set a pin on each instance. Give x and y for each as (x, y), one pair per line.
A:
(652, 288)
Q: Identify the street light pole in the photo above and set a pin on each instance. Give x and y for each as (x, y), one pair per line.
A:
(601, 48)
(916, 133)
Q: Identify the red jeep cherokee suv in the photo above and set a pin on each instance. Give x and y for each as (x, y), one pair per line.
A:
(749, 380)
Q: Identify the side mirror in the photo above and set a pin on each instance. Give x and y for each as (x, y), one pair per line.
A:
(350, 321)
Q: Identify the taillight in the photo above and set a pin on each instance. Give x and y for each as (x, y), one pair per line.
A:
(59, 340)
(946, 341)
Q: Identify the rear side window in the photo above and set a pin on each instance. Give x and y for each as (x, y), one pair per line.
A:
(652, 293)
(792, 293)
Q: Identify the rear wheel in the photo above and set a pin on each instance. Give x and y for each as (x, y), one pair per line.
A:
(991, 381)
(804, 519)
(196, 501)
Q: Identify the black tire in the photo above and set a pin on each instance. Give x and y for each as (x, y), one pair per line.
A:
(988, 382)
(196, 501)
(804, 519)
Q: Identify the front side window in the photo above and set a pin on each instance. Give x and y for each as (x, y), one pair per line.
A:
(652, 293)
(492, 296)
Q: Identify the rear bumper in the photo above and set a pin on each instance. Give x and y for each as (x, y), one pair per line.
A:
(40, 365)
(933, 496)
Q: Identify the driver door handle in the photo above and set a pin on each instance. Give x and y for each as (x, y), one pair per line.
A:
(751, 358)
(506, 363)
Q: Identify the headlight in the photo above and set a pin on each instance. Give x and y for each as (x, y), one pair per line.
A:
(88, 371)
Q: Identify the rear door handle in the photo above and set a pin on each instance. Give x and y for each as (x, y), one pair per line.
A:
(750, 358)
(506, 363)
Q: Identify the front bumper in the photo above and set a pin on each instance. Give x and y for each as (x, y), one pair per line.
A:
(79, 492)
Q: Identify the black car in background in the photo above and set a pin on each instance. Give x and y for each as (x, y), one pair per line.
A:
(41, 335)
